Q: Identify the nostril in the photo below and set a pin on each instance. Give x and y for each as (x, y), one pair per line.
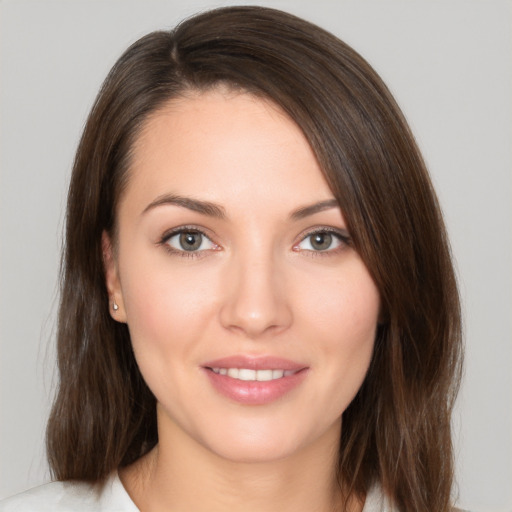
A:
(255, 301)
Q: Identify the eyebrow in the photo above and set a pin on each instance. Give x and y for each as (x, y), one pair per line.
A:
(306, 211)
(196, 205)
(217, 211)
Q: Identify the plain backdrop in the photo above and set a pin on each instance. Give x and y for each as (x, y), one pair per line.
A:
(448, 62)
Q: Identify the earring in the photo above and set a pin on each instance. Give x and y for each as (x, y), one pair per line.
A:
(115, 307)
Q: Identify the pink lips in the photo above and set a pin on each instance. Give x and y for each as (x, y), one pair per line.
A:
(255, 392)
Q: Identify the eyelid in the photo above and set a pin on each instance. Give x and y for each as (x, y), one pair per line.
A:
(342, 235)
(185, 227)
(164, 239)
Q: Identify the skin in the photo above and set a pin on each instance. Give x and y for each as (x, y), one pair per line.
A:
(257, 287)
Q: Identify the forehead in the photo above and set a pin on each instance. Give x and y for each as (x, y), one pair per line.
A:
(223, 146)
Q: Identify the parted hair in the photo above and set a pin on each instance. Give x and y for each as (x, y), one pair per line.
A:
(396, 432)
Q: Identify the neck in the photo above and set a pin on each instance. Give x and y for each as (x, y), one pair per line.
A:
(181, 475)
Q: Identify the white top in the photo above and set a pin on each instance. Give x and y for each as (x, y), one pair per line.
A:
(73, 497)
(109, 497)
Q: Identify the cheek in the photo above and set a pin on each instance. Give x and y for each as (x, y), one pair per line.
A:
(168, 311)
(167, 306)
(342, 319)
(345, 309)
(355, 323)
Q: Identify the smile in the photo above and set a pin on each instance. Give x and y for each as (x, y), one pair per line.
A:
(255, 380)
(248, 374)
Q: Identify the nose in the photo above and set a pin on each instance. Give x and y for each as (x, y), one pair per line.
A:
(256, 299)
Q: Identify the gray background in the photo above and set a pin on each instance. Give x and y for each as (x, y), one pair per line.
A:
(448, 62)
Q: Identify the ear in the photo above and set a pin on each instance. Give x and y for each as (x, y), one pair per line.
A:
(112, 282)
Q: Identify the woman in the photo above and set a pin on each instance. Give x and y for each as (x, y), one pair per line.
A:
(258, 306)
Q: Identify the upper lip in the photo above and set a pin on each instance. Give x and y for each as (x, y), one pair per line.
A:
(255, 363)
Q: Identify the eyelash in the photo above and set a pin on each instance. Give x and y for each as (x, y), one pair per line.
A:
(343, 238)
(185, 254)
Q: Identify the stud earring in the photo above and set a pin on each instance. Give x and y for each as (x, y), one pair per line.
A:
(115, 307)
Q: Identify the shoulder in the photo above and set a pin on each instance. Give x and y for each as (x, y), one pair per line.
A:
(72, 497)
(57, 496)
(376, 501)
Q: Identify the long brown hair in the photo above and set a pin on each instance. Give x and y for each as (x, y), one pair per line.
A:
(397, 429)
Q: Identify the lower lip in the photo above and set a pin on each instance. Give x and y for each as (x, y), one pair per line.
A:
(255, 392)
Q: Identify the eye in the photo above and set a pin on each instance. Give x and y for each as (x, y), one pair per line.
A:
(323, 241)
(189, 240)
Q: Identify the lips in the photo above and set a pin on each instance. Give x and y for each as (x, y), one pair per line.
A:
(254, 380)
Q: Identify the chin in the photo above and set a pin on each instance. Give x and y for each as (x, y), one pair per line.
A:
(265, 443)
(255, 453)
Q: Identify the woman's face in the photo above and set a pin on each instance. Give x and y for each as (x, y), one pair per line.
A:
(252, 318)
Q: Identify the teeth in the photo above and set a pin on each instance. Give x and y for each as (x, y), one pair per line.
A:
(277, 374)
(233, 373)
(244, 374)
(264, 375)
(253, 375)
